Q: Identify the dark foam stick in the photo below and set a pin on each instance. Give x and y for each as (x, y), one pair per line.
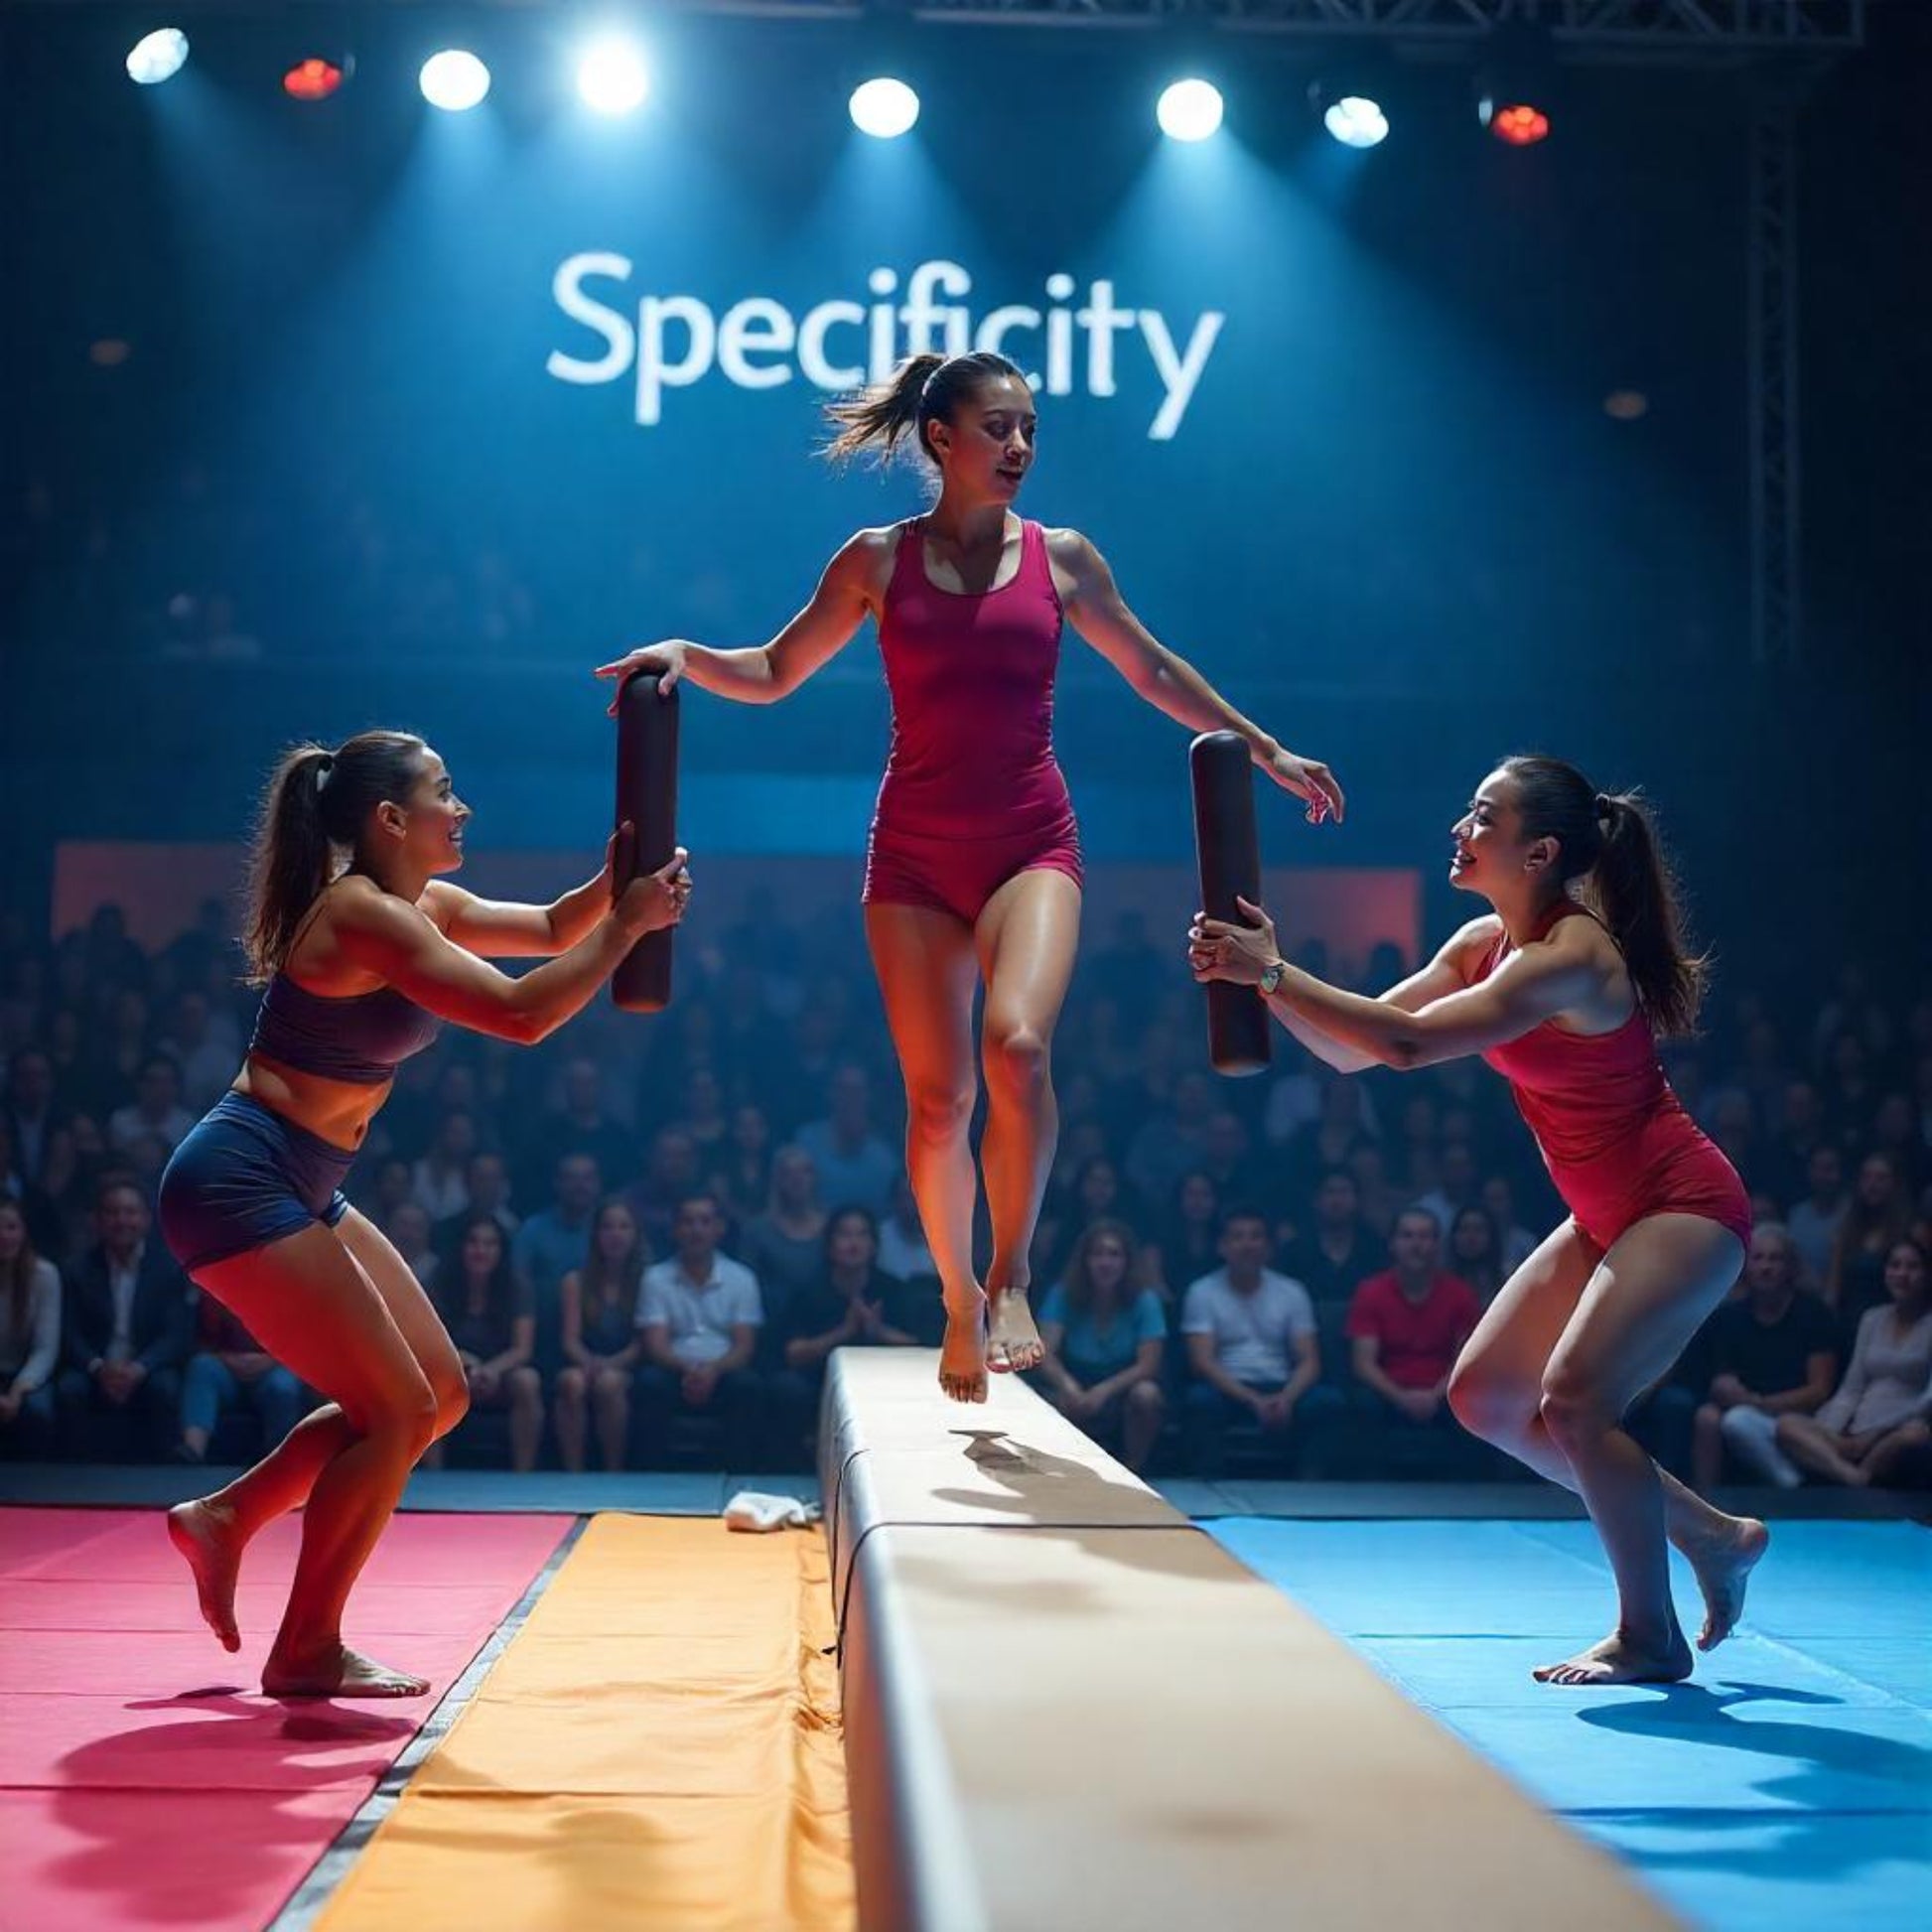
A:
(648, 797)
(1228, 848)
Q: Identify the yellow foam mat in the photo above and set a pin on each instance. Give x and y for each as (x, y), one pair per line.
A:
(658, 1748)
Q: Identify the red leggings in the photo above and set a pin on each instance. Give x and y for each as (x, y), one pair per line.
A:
(959, 876)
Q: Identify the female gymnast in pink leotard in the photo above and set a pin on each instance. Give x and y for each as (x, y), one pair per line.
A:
(973, 868)
(1563, 995)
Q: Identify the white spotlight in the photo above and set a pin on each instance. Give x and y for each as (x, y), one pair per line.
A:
(1189, 110)
(1356, 122)
(611, 77)
(158, 57)
(454, 80)
(883, 108)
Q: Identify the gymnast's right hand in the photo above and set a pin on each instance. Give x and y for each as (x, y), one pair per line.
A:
(654, 899)
(666, 659)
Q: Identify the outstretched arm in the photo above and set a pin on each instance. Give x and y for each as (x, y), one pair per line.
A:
(1169, 682)
(1534, 985)
(502, 929)
(765, 673)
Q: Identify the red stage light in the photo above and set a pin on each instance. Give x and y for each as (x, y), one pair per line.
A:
(1520, 124)
(312, 79)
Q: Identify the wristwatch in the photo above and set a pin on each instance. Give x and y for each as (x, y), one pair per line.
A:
(1271, 976)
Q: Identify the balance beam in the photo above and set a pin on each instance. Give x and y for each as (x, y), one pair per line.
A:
(1066, 1706)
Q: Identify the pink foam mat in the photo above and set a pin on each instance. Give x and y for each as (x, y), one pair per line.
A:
(144, 1779)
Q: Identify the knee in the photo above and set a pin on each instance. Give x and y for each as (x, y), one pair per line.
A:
(1015, 1058)
(1493, 1407)
(1709, 1418)
(612, 1385)
(1145, 1399)
(408, 1416)
(526, 1388)
(1571, 1410)
(571, 1385)
(938, 1111)
(450, 1395)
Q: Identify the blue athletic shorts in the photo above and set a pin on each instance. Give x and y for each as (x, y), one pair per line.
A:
(245, 1176)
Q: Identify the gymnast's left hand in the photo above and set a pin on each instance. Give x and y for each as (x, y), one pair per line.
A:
(1307, 779)
(1219, 949)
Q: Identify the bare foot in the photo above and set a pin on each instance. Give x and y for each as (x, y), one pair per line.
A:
(208, 1537)
(337, 1672)
(962, 1355)
(1723, 1566)
(1618, 1660)
(1013, 1342)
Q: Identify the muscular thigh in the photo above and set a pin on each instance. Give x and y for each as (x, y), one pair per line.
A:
(1645, 1299)
(926, 976)
(309, 1302)
(1518, 1330)
(422, 1327)
(1025, 940)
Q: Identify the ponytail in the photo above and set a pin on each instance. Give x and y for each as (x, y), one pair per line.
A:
(923, 389)
(312, 814)
(1610, 845)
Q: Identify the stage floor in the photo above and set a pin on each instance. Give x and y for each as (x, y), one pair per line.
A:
(1787, 1785)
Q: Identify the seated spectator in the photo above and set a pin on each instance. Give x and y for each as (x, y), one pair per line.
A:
(30, 1339)
(1251, 1344)
(1106, 1343)
(487, 1183)
(1815, 1222)
(1772, 1353)
(785, 1246)
(903, 1246)
(156, 1112)
(1877, 1217)
(1382, 1200)
(1878, 1414)
(34, 1118)
(1190, 1242)
(408, 1229)
(1172, 1141)
(1475, 1251)
(855, 1164)
(206, 1053)
(440, 1182)
(700, 1312)
(670, 1176)
(742, 1167)
(1337, 1253)
(1099, 1192)
(553, 1242)
(230, 1370)
(702, 1115)
(1458, 1185)
(1329, 1142)
(601, 1340)
(43, 1216)
(851, 1303)
(1228, 1159)
(1517, 1243)
(125, 1322)
(1406, 1328)
(490, 1313)
(578, 1123)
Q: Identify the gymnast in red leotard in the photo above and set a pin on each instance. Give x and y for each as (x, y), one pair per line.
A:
(973, 868)
(1563, 993)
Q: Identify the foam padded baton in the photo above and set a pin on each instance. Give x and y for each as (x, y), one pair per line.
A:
(1228, 848)
(648, 797)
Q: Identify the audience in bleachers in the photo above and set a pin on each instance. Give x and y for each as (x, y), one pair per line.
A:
(649, 1235)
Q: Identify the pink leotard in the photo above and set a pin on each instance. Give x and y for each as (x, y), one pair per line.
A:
(1615, 1139)
(972, 794)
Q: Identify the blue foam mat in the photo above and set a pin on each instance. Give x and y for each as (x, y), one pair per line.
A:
(1788, 1785)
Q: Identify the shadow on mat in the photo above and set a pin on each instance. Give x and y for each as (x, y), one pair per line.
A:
(218, 1801)
(1823, 1757)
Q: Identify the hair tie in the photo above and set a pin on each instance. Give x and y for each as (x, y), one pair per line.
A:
(1605, 807)
(323, 766)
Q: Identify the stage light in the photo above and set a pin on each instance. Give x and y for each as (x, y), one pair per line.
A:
(883, 108)
(1189, 110)
(315, 79)
(1519, 124)
(158, 57)
(1356, 121)
(611, 77)
(454, 80)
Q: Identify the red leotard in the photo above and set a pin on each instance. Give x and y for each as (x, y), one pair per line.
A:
(972, 794)
(1615, 1139)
